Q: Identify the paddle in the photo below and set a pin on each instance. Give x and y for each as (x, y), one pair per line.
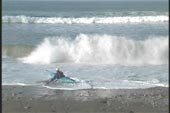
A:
(52, 74)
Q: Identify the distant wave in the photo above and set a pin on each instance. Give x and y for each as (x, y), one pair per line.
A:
(83, 20)
(100, 49)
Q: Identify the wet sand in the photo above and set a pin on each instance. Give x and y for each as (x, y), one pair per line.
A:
(34, 99)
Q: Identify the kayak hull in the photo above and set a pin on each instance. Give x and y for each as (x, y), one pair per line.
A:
(66, 80)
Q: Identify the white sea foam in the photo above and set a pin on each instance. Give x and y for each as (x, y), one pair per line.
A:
(101, 49)
(17, 84)
(83, 20)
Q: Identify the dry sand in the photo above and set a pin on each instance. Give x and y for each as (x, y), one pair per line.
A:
(34, 99)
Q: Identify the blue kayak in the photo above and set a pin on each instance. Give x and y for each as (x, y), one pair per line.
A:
(62, 79)
(66, 80)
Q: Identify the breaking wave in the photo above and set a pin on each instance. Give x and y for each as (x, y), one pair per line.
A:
(100, 49)
(22, 19)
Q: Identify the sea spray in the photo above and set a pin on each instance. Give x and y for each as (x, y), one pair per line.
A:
(100, 49)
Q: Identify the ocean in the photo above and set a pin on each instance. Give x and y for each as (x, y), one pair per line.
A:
(105, 45)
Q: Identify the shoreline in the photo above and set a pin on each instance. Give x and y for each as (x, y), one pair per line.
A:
(34, 99)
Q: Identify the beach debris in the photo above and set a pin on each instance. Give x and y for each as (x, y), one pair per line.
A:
(27, 107)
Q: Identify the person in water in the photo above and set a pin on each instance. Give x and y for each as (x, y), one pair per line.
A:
(58, 75)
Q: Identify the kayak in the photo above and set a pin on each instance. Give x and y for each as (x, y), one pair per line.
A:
(66, 80)
(62, 79)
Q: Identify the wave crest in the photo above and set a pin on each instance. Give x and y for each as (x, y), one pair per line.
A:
(83, 20)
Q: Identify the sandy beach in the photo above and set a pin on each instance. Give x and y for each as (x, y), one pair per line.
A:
(34, 99)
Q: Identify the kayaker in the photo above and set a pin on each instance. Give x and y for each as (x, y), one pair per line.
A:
(58, 75)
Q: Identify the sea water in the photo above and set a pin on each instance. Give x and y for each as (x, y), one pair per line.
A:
(110, 45)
